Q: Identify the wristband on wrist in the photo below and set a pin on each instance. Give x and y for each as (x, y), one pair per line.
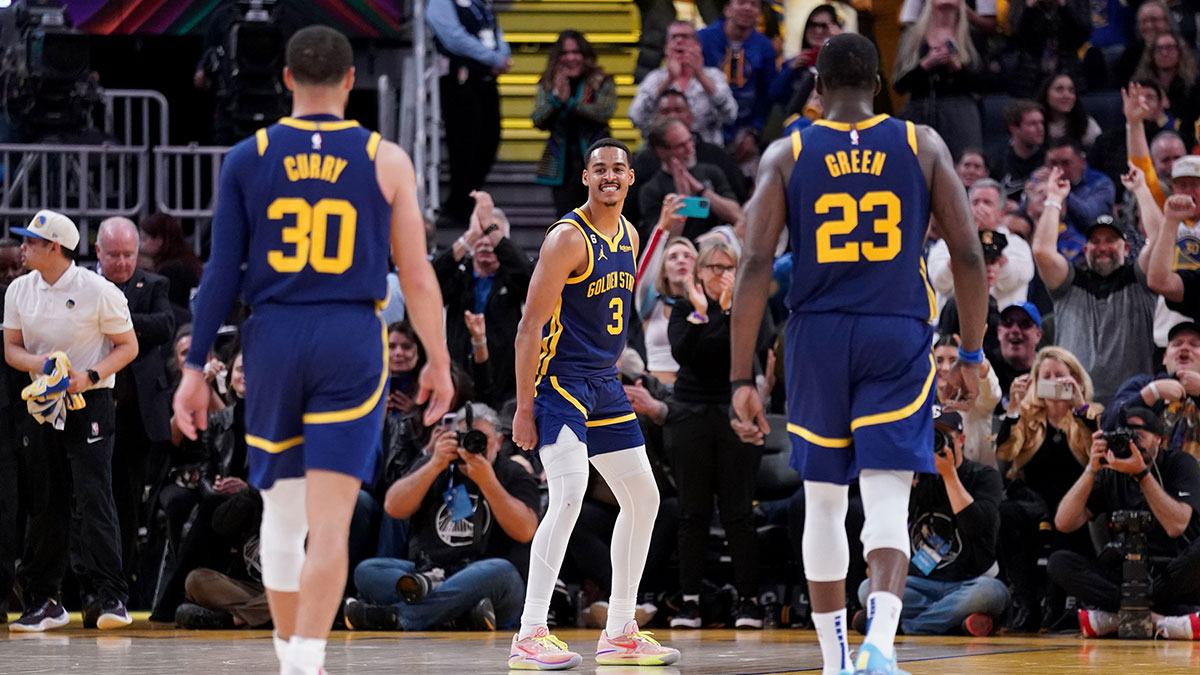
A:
(697, 317)
(1081, 410)
(970, 357)
(462, 240)
(1050, 202)
(1139, 476)
(479, 343)
(734, 385)
(1154, 390)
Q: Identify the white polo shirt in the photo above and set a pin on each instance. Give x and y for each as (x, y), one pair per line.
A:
(75, 315)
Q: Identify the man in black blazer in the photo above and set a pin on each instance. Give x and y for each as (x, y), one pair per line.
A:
(143, 388)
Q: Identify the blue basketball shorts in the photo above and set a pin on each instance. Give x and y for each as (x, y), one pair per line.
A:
(315, 390)
(595, 409)
(860, 391)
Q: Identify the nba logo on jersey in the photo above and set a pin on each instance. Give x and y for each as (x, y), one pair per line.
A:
(316, 141)
(854, 137)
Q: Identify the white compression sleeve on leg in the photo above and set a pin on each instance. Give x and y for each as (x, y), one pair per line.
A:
(282, 534)
(825, 550)
(628, 474)
(885, 508)
(566, 465)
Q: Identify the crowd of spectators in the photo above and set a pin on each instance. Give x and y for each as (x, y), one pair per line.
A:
(1086, 218)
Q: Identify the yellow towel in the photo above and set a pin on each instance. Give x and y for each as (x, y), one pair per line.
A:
(47, 398)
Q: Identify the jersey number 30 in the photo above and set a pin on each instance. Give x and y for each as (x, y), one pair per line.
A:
(309, 233)
(849, 251)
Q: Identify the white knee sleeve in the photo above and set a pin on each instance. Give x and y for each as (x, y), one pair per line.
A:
(628, 474)
(284, 529)
(566, 465)
(885, 507)
(826, 551)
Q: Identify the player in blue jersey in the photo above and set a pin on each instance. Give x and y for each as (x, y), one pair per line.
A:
(305, 214)
(855, 191)
(572, 408)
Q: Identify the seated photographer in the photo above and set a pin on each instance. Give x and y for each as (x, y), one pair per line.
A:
(953, 520)
(460, 566)
(221, 473)
(1045, 436)
(1141, 478)
(1172, 393)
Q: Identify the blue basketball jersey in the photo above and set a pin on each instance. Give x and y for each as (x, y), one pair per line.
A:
(318, 224)
(858, 210)
(586, 333)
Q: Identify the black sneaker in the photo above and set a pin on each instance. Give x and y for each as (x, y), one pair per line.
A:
(860, 622)
(414, 587)
(688, 616)
(748, 614)
(91, 612)
(361, 616)
(113, 615)
(38, 618)
(482, 616)
(195, 617)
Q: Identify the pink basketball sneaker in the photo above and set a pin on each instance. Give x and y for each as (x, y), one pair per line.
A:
(633, 648)
(541, 651)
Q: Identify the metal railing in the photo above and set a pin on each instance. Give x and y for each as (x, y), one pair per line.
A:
(86, 182)
(136, 117)
(185, 184)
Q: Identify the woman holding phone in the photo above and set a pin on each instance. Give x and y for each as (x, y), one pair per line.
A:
(1045, 436)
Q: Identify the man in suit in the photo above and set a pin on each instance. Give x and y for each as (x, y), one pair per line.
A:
(143, 388)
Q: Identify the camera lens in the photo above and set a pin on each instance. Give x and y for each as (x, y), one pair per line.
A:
(474, 442)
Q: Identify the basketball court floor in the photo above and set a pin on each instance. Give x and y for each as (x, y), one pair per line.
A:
(146, 649)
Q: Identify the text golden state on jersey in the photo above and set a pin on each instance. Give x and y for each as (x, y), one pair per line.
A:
(611, 281)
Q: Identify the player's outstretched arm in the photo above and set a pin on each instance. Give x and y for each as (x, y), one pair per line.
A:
(422, 296)
(952, 214)
(766, 216)
(563, 253)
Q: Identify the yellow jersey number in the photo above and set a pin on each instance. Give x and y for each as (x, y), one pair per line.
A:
(850, 251)
(618, 316)
(308, 235)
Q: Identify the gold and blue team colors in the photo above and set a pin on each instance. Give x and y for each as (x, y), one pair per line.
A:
(859, 365)
(577, 384)
(301, 205)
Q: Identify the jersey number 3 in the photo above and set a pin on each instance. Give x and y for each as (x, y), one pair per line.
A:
(848, 251)
(309, 234)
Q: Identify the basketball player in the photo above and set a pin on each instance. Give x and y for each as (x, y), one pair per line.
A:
(571, 405)
(306, 211)
(855, 191)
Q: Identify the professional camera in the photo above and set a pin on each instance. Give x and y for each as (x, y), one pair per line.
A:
(943, 442)
(48, 85)
(1118, 441)
(1131, 528)
(472, 440)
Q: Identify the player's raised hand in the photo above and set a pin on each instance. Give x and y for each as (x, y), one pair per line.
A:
(524, 434)
(436, 387)
(749, 421)
(191, 403)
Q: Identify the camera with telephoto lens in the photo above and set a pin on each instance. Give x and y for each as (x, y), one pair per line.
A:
(1118, 441)
(472, 440)
(1130, 529)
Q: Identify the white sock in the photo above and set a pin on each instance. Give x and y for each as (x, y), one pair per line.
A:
(883, 616)
(281, 650)
(306, 655)
(566, 465)
(628, 473)
(835, 649)
(620, 612)
(691, 598)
